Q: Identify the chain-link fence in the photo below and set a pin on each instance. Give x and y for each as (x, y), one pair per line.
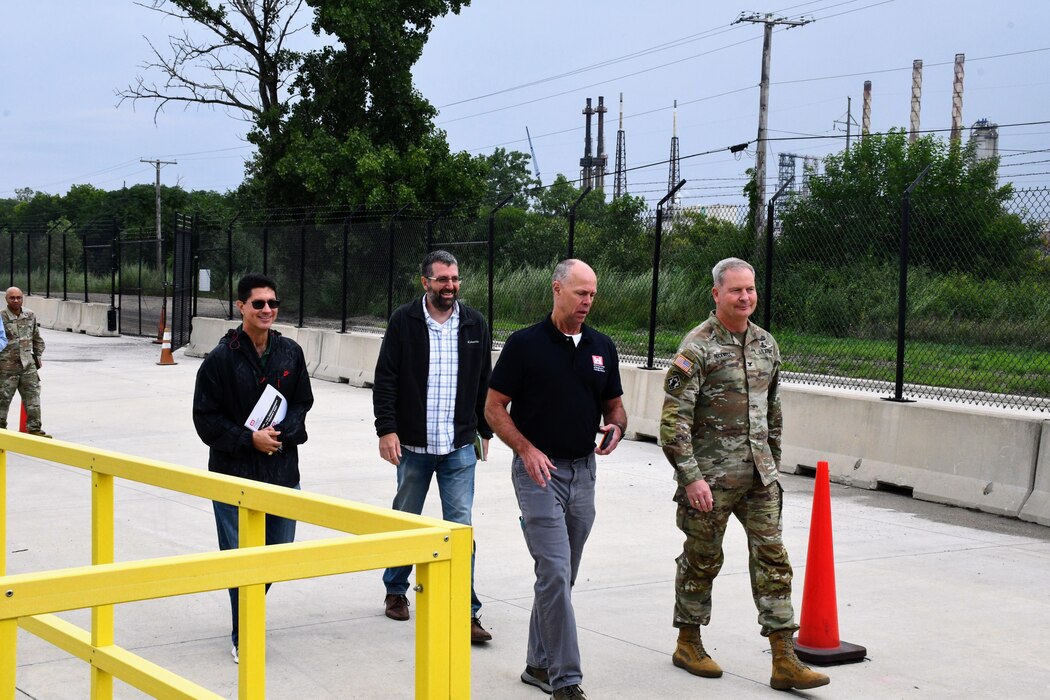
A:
(971, 321)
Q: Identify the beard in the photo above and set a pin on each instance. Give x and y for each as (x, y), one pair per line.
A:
(442, 302)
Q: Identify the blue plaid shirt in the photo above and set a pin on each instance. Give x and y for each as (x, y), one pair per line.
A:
(441, 383)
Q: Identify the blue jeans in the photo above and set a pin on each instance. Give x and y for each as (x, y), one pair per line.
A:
(455, 479)
(278, 531)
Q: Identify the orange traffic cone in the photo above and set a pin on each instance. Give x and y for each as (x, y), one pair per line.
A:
(22, 423)
(162, 324)
(818, 635)
(165, 349)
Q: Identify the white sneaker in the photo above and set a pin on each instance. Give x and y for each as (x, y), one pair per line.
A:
(236, 658)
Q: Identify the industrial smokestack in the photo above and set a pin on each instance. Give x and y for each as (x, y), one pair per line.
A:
(957, 95)
(916, 98)
(599, 166)
(587, 162)
(865, 120)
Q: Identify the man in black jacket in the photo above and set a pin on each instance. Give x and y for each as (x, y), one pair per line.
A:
(429, 399)
(230, 382)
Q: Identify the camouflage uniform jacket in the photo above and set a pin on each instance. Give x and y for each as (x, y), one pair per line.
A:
(721, 418)
(24, 344)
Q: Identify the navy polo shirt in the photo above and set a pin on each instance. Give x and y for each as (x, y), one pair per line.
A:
(557, 387)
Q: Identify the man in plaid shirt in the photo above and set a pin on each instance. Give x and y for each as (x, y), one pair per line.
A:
(431, 380)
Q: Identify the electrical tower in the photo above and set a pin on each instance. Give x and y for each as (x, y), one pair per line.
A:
(786, 172)
(768, 21)
(620, 178)
(673, 169)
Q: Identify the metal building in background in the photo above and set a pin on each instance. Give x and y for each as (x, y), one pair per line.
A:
(985, 136)
(786, 173)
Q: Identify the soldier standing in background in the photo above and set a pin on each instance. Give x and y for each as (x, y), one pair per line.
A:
(721, 430)
(19, 362)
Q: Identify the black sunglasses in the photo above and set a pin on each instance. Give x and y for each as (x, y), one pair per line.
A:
(257, 304)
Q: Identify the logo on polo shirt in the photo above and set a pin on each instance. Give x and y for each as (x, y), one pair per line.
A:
(599, 363)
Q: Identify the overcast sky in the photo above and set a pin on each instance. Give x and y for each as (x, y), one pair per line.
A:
(59, 123)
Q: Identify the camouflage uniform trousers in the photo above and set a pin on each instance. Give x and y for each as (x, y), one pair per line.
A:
(27, 383)
(758, 508)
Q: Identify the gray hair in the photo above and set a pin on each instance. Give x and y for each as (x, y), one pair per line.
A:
(718, 272)
(561, 270)
(441, 256)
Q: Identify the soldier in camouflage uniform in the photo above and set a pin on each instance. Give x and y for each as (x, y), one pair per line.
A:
(721, 430)
(20, 360)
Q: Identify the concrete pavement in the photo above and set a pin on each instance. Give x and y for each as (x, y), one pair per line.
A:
(949, 603)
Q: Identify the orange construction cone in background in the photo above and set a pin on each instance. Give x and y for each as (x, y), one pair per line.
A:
(22, 423)
(162, 324)
(165, 349)
(818, 635)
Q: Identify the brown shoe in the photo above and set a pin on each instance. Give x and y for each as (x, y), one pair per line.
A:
(478, 634)
(396, 607)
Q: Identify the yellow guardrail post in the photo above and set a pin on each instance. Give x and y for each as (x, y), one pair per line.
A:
(251, 613)
(3, 512)
(8, 658)
(443, 621)
(102, 521)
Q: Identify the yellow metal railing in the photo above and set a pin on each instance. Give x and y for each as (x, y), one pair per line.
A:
(377, 538)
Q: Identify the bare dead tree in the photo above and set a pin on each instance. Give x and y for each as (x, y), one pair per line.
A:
(240, 62)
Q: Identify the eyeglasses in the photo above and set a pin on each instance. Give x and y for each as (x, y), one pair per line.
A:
(257, 304)
(446, 280)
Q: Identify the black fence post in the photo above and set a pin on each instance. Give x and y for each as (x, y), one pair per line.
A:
(85, 248)
(347, 223)
(572, 221)
(29, 263)
(114, 265)
(65, 266)
(767, 311)
(229, 266)
(492, 256)
(656, 273)
(47, 288)
(902, 289)
(11, 258)
(390, 264)
(302, 271)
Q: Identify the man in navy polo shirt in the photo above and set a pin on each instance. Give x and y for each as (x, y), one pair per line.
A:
(560, 378)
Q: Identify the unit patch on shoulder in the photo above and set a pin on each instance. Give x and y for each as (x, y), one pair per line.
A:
(673, 382)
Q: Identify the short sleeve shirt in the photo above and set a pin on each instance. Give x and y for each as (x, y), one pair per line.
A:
(557, 387)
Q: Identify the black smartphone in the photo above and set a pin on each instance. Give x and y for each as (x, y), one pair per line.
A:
(607, 438)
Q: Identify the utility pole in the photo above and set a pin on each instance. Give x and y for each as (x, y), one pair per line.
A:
(160, 247)
(768, 21)
(849, 122)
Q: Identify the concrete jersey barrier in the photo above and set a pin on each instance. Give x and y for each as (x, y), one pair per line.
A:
(975, 458)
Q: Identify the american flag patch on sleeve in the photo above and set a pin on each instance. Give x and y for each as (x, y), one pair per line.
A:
(683, 363)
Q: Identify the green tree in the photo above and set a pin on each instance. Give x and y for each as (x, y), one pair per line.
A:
(853, 212)
(359, 132)
(508, 174)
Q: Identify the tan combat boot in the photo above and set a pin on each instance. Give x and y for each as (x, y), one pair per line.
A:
(691, 655)
(788, 671)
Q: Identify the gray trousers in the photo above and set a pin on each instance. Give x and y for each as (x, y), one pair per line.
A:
(556, 521)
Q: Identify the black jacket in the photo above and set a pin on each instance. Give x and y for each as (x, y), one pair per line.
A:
(399, 396)
(229, 382)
